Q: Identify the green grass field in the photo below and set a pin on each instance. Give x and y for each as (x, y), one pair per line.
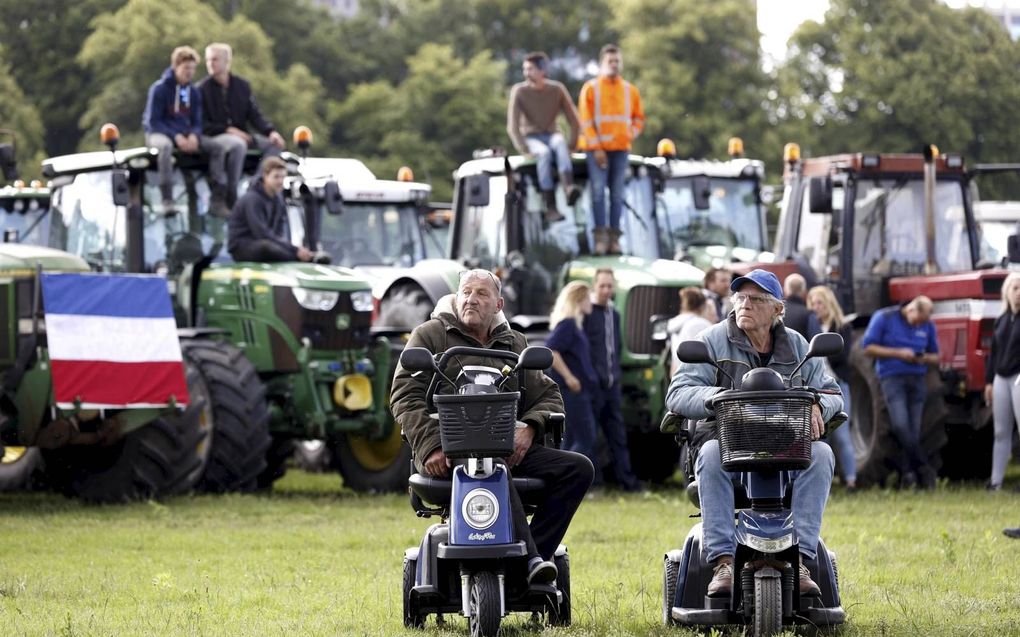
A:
(312, 559)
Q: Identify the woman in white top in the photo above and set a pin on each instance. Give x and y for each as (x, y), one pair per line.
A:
(696, 315)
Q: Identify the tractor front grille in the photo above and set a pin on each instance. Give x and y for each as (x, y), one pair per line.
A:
(644, 302)
(320, 328)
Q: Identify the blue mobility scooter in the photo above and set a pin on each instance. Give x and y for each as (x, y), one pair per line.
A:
(471, 562)
(764, 433)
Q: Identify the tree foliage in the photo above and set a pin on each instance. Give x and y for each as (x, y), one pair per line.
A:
(19, 116)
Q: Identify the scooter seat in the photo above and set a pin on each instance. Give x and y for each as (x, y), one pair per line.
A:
(436, 491)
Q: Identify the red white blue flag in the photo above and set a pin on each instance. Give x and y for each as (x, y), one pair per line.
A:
(112, 341)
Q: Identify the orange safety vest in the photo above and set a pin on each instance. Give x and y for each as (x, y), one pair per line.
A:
(611, 114)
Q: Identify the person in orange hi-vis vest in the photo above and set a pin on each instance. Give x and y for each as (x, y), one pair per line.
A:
(611, 118)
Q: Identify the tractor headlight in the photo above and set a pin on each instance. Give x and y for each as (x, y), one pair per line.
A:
(362, 301)
(319, 300)
(769, 545)
(480, 509)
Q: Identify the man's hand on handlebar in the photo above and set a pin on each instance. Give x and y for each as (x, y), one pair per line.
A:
(817, 424)
(523, 437)
(437, 464)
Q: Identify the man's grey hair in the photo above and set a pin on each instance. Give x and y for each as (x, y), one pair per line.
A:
(222, 47)
(782, 309)
(795, 285)
(483, 274)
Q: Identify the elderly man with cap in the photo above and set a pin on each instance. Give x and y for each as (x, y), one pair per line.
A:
(753, 336)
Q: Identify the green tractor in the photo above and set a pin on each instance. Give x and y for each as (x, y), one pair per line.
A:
(294, 339)
(110, 455)
(498, 225)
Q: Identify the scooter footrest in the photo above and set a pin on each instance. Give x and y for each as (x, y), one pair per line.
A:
(701, 617)
(717, 603)
(822, 616)
(482, 551)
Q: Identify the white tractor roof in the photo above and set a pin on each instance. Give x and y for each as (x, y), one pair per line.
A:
(731, 168)
(357, 182)
(997, 210)
(496, 165)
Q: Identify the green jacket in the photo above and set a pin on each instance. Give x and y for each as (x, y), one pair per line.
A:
(443, 331)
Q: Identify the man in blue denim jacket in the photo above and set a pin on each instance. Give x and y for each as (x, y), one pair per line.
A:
(754, 336)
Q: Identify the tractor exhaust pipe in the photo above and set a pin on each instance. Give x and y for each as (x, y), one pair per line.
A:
(931, 153)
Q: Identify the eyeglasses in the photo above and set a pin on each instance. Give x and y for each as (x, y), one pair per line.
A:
(481, 274)
(754, 299)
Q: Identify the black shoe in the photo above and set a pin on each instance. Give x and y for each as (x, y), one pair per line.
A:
(573, 194)
(1013, 533)
(321, 258)
(541, 572)
(218, 202)
(908, 481)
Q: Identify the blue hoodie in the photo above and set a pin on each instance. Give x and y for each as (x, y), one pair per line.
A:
(171, 108)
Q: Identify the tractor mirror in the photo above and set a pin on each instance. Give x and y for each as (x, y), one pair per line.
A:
(1013, 248)
(693, 352)
(418, 359)
(820, 194)
(332, 198)
(825, 344)
(535, 357)
(119, 183)
(702, 190)
(476, 190)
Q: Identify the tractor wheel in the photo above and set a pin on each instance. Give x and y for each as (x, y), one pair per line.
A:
(280, 451)
(20, 468)
(483, 600)
(559, 614)
(366, 465)
(874, 445)
(404, 306)
(153, 461)
(670, 573)
(240, 416)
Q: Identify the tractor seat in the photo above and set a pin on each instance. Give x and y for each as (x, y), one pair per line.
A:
(436, 491)
(740, 499)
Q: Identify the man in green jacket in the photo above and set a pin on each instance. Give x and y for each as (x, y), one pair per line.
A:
(474, 318)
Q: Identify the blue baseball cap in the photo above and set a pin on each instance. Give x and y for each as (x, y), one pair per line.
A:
(763, 279)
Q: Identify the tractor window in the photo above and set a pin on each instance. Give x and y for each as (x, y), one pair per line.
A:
(372, 234)
(24, 220)
(813, 237)
(87, 224)
(481, 235)
(890, 230)
(192, 196)
(733, 218)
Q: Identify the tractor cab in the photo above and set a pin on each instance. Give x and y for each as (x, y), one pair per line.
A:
(24, 213)
(712, 212)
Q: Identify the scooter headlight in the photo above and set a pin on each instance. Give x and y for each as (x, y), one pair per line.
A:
(480, 509)
(769, 545)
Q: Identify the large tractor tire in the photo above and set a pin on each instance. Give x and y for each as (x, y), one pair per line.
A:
(21, 468)
(377, 466)
(240, 438)
(154, 461)
(968, 453)
(404, 306)
(875, 447)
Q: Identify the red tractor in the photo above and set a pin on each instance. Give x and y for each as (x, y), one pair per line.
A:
(880, 229)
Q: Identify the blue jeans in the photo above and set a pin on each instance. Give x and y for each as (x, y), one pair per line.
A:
(615, 173)
(844, 446)
(715, 488)
(546, 148)
(608, 413)
(580, 433)
(904, 397)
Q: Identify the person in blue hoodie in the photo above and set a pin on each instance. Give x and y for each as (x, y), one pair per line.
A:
(173, 119)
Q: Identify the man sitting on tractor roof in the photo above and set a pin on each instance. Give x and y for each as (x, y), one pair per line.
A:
(474, 318)
(258, 222)
(753, 336)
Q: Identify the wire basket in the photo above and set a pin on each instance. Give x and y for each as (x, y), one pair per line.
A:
(477, 425)
(765, 430)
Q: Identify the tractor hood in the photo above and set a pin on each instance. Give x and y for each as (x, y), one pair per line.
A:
(441, 270)
(633, 271)
(294, 275)
(20, 258)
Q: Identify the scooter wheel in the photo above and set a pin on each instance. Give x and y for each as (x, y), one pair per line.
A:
(483, 600)
(412, 618)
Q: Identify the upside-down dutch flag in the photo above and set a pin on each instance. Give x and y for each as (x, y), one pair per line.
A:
(112, 341)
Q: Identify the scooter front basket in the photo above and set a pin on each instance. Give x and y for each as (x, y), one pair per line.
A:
(765, 430)
(477, 425)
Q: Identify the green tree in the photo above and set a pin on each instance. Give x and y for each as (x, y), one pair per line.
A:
(432, 121)
(131, 48)
(42, 38)
(891, 76)
(698, 67)
(19, 116)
